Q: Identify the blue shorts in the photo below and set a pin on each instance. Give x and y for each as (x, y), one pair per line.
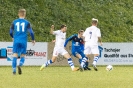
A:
(19, 47)
(74, 52)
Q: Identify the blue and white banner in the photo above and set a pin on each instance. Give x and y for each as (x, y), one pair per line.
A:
(35, 55)
(116, 54)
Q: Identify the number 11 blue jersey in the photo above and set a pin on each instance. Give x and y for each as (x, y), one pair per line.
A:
(19, 30)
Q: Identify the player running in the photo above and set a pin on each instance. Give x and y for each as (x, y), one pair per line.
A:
(78, 47)
(18, 32)
(59, 47)
(92, 35)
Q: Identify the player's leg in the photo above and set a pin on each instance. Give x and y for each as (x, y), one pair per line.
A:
(15, 56)
(95, 52)
(75, 54)
(22, 50)
(85, 59)
(48, 62)
(14, 62)
(55, 54)
(70, 62)
(79, 54)
(22, 60)
(68, 57)
(86, 67)
(79, 57)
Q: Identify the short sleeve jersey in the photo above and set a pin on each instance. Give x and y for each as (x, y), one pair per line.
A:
(20, 27)
(91, 35)
(60, 38)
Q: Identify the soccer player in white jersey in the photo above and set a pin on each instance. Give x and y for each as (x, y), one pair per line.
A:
(92, 36)
(59, 47)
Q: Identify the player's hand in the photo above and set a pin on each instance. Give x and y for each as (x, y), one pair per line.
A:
(52, 27)
(33, 42)
(101, 43)
(53, 41)
(12, 39)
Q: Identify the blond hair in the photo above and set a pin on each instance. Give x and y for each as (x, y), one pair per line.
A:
(94, 21)
(22, 12)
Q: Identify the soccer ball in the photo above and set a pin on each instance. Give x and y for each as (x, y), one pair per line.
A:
(109, 68)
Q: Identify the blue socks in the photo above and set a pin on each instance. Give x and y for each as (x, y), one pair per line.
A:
(22, 59)
(14, 64)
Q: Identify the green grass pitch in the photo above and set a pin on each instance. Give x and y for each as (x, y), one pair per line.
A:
(63, 77)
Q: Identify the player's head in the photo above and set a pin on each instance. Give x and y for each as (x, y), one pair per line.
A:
(22, 13)
(80, 33)
(94, 21)
(63, 28)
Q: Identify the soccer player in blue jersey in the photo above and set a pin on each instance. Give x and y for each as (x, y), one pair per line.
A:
(78, 47)
(18, 32)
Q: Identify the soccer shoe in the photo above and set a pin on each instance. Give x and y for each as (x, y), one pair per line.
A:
(42, 67)
(14, 73)
(95, 68)
(87, 68)
(81, 69)
(19, 70)
(75, 69)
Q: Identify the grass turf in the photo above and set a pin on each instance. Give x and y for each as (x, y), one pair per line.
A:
(63, 77)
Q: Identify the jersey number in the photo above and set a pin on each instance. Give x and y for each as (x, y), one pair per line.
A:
(90, 34)
(18, 24)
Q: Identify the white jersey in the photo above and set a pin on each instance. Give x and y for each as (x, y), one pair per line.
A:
(60, 38)
(91, 35)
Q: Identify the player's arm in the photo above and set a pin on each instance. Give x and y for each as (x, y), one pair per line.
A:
(99, 36)
(82, 46)
(52, 29)
(31, 33)
(11, 30)
(100, 40)
(68, 39)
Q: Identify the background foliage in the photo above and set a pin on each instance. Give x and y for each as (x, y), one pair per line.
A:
(115, 17)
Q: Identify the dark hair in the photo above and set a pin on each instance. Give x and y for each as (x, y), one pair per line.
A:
(62, 26)
(80, 31)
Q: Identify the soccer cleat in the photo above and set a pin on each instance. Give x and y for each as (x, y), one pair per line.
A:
(81, 69)
(42, 67)
(19, 70)
(14, 73)
(87, 68)
(75, 69)
(95, 68)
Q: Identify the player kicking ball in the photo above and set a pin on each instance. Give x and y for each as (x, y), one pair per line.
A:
(59, 48)
(18, 32)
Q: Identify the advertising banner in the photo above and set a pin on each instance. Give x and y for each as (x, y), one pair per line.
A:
(35, 55)
(110, 53)
(116, 54)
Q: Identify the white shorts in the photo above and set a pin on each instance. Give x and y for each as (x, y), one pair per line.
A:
(59, 50)
(91, 49)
